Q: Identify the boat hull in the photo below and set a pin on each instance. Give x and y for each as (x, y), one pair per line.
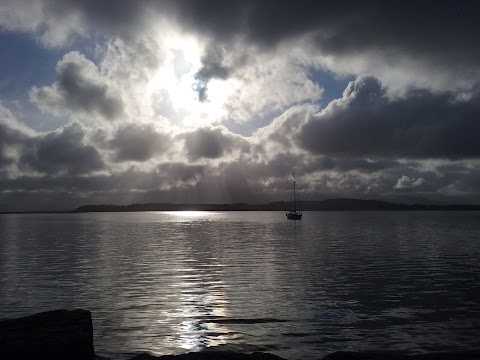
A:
(294, 215)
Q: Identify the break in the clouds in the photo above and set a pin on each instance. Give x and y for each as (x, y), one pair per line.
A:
(188, 101)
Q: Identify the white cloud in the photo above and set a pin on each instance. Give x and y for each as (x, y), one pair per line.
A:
(406, 182)
(400, 73)
(269, 84)
(46, 20)
(8, 119)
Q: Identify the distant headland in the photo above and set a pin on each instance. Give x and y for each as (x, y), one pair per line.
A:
(341, 204)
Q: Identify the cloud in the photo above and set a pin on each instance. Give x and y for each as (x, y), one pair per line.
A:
(404, 40)
(13, 135)
(408, 182)
(79, 88)
(258, 68)
(212, 143)
(444, 32)
(349, 163)
(132, 62)
(280, 135)
(403, 44)
(62, 152)
(175, 176)
(271, 84)
(181, 175)
(53, 22)
(138, 142)
(366, 122)
(342, 27)
(12, 131)
(463, 177)
(212, 68)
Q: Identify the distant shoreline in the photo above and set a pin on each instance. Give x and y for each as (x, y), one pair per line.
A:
(340, 204)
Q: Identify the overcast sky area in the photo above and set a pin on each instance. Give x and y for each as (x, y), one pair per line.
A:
(191, 101)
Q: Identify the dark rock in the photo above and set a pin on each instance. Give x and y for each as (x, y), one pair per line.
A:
(98, 357)
(367, 355)
(457, 355)
(379, 355)
(211, 355)
(52, 335)
(339, 355)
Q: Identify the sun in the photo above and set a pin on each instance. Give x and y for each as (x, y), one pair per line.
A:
(175, 80)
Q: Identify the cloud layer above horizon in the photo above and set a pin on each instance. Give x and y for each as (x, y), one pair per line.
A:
(210, 101)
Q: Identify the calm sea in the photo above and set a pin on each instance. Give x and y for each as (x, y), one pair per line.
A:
(173, 282)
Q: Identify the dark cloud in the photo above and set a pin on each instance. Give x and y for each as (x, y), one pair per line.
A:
(121, 17)
(11, 134)
(79, 88)
(235, 181)
(5, 159)
(138, 142)
(463, 177)
(213, 67)
(212, 143)
(170, 182)
(61, 152)
(348, 163)
(422, 124)
(442, 34)
(165, 175)
(445, 28)
(279, 166)
(269, 21)
(179, 173)
(12, 137)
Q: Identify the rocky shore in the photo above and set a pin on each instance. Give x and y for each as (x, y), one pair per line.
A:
(68, 335)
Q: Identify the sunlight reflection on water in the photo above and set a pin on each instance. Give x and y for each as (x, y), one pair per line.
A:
(189, 214)
(200, 297)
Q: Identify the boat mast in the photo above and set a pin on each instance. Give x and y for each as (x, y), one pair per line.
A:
(298, 199)
(294, 194)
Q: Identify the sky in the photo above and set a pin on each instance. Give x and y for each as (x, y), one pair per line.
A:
(187, 101)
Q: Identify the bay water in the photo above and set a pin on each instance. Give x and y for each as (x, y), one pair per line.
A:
(174, 282)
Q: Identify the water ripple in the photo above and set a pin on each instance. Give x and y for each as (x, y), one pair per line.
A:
(167, 283)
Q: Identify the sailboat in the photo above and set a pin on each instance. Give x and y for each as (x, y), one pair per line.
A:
(295, 214)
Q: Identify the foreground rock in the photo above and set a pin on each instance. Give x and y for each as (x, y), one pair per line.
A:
(68, 335)
(210, 355)
(380, 355)
(52, 335)
(340, 355)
